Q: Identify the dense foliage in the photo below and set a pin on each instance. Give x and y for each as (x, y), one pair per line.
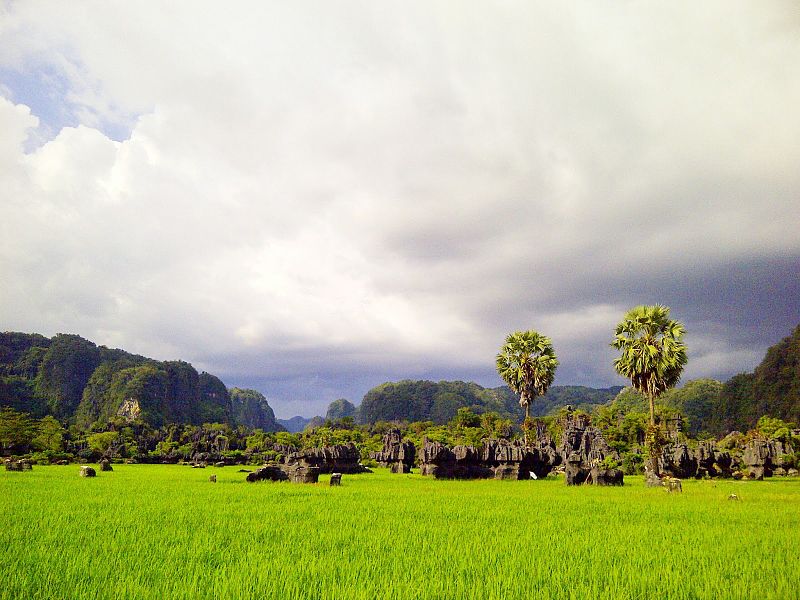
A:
(439, 402)
(772, 389)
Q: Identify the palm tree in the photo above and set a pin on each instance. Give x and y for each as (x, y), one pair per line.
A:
(527, 363)
(653, 357)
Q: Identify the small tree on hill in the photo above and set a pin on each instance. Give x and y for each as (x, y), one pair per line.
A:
(652, 357)
(527, 363)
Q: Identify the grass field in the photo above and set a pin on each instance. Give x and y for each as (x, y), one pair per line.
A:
(166, 532)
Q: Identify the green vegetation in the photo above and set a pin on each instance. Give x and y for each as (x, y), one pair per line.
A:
(652, 357)
(339, 409)
(527, 363)
(251, 409)
(166, 532)
(772, 389)
(91, 386)
(439, 402)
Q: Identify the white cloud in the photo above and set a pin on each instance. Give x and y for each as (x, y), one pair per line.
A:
(398, 185)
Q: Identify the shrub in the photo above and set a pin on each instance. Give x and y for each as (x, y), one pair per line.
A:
(632, 463)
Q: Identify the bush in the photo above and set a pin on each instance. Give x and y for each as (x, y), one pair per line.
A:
(632, 463)
(609, 462)
(790, 461)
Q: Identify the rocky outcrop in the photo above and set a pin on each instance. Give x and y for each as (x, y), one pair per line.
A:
(343, 458)
(516, 460)
(459, 462)
(761, 458)
(267, 473)
(499, 459)
(87, 471)
(396, 454)
(584, 452)
(756, 459)
(105, 465)
(301, 473)
(601, 476)
(17, 465)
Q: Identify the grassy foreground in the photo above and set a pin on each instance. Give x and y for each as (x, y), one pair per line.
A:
(166, 532)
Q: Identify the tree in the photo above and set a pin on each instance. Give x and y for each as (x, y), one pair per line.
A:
(17, 430)
(102, 443)
(50, 435)
(652, 357)
(527, 363)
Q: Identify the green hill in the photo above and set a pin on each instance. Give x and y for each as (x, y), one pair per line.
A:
(439, 402)
(79, 382)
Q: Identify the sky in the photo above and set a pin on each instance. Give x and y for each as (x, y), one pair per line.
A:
(312, 198)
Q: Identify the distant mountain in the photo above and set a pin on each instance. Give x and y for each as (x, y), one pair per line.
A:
(339, 409)
(295, 424)
(79, 382)
(251, 409)
(439, 402)
(772, 389)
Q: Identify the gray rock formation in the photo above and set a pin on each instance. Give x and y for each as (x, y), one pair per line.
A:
(267, 473)
(396, 454)
(17, 465)
(583, 449)
(301, 473)
(499, 459)
(344, 458)
(600, 476)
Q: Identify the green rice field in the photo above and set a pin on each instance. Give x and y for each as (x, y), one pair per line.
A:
(152, 531)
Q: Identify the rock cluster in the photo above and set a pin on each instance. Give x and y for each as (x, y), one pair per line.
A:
(305, 466)
(759, 458)
(679, 460)
(396, 454)
(17, 465)
(267, 473)
(583, 450)
(499, 459)
(342, 458)
(762, 458)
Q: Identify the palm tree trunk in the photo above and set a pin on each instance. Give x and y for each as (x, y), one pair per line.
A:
(527, 411)
(654, 449)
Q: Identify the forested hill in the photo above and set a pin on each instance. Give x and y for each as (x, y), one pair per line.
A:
(439, 402)
(79, 382)
(772, 389)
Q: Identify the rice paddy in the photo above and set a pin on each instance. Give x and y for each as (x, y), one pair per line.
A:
(152, 531)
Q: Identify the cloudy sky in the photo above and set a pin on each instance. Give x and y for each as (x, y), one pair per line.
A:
(311, 198)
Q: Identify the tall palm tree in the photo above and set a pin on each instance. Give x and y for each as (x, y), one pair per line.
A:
(527, 363)
(652, 357)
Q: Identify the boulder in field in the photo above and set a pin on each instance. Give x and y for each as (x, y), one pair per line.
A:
(105, 465)
(600, 476)
(87, 471)
(267, 473)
